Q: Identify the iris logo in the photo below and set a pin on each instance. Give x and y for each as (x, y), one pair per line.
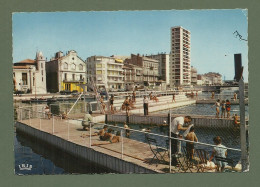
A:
(25, 167)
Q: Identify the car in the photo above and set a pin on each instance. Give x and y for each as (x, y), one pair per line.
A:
(65, 92)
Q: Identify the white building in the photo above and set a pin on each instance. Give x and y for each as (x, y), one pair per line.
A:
(65, 72)
(29, 75)
(106, 72)
(180, 66)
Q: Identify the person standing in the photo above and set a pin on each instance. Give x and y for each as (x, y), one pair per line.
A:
(127, 105)
(176, 127)
(191, 136)
(217, 104)
(146, 101)
(173, 97)
(212, 95)
(235, 96)
(134, 96)
(111, 102)
(228, 108)
(223, 109)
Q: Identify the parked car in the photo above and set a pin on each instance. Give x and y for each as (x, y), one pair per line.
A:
(65, 92)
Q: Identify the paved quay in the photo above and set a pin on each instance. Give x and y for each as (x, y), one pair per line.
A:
(69, 137)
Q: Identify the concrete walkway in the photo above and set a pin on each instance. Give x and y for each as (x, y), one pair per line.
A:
(135, 152)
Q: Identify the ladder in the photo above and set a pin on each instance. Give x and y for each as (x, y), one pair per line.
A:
(75, 103)
(94, 87)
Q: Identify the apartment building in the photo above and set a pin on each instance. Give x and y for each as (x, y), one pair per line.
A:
(65, 72)
(149, 66)
(106, 72)
(163, 66)
(180, 65)
(133, 77)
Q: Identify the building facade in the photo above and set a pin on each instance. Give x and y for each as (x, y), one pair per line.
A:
(193, 76)
(29, 75)
(65, 72)
(210, 78)
(133, 77)
(106, 72)
(150, 68)
(180, 65)
(163, 66)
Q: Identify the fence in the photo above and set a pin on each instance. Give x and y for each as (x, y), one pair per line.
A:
(133, 141)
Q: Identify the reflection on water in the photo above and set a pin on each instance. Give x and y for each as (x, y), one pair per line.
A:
(201, 109)
(46, 159)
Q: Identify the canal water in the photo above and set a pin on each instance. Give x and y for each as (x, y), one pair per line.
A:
(45, 159)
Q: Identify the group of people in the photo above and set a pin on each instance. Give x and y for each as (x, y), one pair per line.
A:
(127, 104)
(106, 134)
(177, 126)
(225, 108)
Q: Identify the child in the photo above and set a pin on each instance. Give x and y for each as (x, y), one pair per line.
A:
(223, 109)
(191, 136)
(217, 104)
(220, 151)
(228, 108)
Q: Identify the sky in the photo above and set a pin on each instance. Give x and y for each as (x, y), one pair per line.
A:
(107, 33)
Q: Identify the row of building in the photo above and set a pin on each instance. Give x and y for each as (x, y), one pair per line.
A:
(68, 71)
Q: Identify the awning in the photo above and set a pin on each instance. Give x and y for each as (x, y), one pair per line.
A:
(119, 60)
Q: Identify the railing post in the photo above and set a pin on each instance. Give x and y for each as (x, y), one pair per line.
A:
(170, 142)
(52, 124)
(40, 123)
(21, 113)
(244, 154)
(122, 145)
(68, 129)
(90, 123)
(29, 117)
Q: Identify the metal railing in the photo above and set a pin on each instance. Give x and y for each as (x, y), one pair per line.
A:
(27, 114)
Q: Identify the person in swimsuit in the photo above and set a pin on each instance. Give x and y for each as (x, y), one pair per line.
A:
(217, 105)
(134, 96)
(228, 108)
(127, 105)
(223, 109)
(111, 103)
(102, 132)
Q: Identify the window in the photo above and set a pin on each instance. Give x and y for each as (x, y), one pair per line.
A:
(41, 65)
(99, 65)
(42, 79)
(42, 72)
(65, 65)
(80, 77)
(80, 67)
(72, 58)
(73, 76)
(73, 66)
(14, 74)
(99, 72)
(65, 76)
(24, 78)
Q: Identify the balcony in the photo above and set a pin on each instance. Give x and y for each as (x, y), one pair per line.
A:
(113, 75)
(73, 80)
